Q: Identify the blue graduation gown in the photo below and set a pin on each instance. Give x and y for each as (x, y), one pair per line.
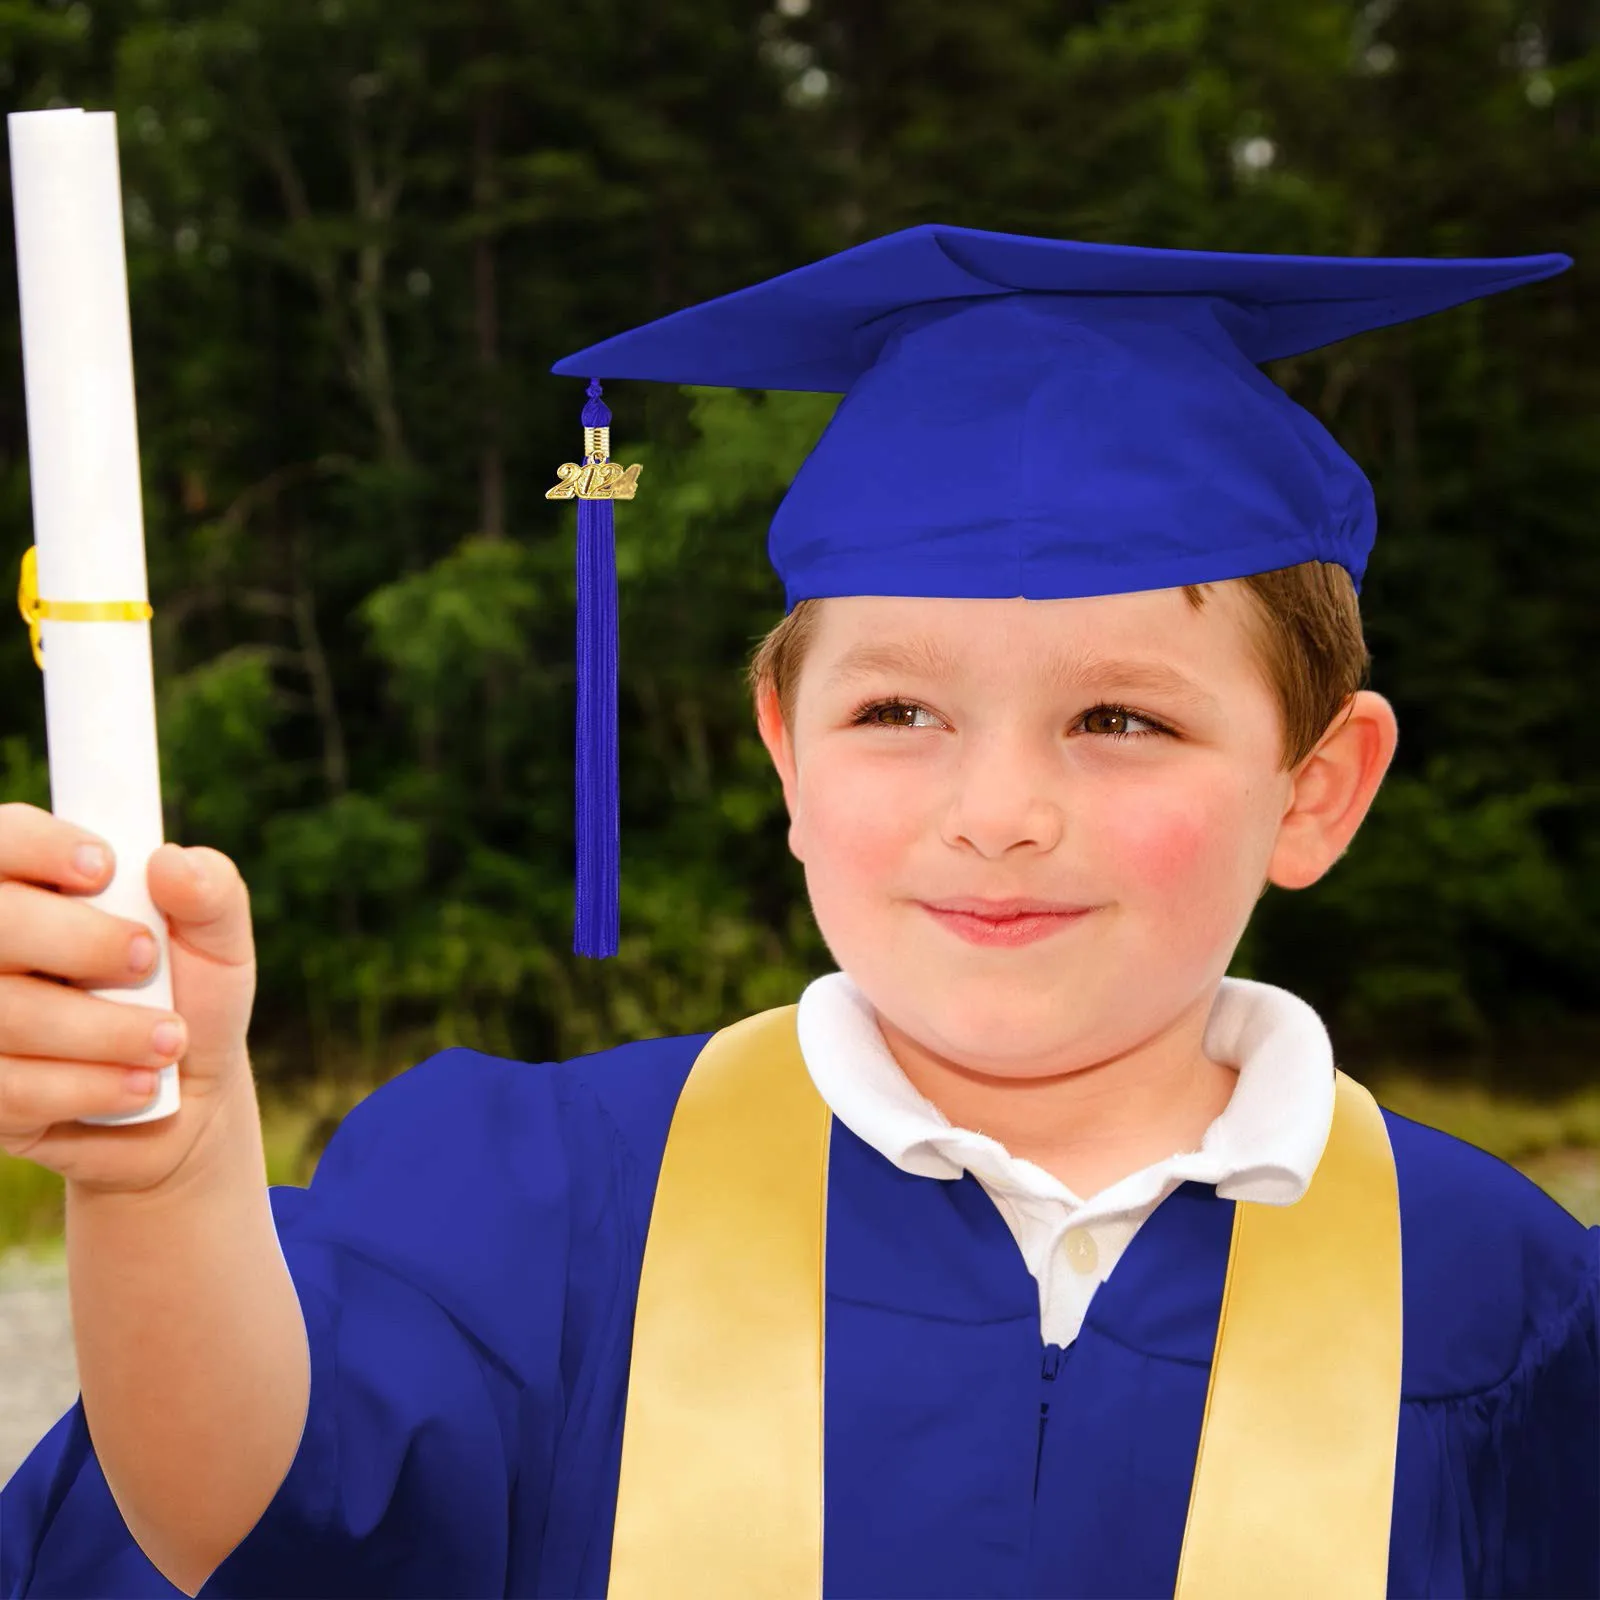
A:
(467, 1257)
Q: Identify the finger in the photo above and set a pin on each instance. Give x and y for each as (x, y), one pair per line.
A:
(206, 902)
(42, 848)
(34, 1094)
(40, 1018)
(42, 930)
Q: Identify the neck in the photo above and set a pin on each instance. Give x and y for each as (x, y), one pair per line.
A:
(1088, 1126)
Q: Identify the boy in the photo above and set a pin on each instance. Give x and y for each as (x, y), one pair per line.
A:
(1072, 669)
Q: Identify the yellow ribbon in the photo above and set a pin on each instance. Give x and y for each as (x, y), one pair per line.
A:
(1294, 1480)
(721, 1496)
(34, 610)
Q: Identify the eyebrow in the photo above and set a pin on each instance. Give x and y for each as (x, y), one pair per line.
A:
(926, 658)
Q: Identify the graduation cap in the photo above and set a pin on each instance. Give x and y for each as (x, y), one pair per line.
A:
(1021, 417)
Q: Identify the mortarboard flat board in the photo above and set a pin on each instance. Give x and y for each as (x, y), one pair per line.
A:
(1044, 418)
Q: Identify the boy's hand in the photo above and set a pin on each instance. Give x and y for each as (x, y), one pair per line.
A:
(65, 1054)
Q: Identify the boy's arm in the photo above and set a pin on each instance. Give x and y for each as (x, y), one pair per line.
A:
(192, 1350)
(430, 1260)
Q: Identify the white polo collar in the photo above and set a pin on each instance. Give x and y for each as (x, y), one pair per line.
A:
(1264, 1145)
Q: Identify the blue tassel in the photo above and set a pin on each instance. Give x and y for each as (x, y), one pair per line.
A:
(599, 826)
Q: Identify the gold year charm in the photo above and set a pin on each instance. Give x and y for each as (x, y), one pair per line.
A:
(595, 480)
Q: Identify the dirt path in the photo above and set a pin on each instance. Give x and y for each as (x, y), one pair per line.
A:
(38, 1371)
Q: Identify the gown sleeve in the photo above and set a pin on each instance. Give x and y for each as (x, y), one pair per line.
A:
(435, 1372)
(1545, 1448)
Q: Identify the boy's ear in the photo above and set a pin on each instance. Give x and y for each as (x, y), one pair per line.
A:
(775, 736)
(1332, 790)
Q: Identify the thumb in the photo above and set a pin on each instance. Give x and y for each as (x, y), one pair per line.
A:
(204, 898)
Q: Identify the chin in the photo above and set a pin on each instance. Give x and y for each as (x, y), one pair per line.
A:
(977, 1020)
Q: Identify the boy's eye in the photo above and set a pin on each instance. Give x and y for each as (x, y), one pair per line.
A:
(890, 714)
(1118, 722)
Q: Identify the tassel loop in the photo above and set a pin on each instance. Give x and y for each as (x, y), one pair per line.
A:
(596, 428)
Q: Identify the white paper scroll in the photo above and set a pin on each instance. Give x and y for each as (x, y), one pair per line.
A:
(83, 449)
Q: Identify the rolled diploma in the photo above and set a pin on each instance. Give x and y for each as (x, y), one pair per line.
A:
(83, 450)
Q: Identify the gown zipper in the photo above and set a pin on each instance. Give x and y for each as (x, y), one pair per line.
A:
(1055, 1357)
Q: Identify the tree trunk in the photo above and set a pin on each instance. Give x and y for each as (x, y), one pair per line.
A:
(491, 457)
(486, 194)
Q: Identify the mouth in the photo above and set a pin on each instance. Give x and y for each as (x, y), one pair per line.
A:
(1016, 922)
(996, 910)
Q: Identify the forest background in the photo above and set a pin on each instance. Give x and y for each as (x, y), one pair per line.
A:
(360, 231)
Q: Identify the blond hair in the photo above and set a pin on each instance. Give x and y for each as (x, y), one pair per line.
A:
(1307, 636)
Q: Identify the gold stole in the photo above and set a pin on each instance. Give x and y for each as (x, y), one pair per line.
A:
(721, 1491)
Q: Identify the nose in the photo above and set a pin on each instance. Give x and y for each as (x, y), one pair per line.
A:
(1008, 795)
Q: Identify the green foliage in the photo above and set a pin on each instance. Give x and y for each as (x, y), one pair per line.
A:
(359, 234)
(215, 723)
(24, 772)
(441, 632)
(1452, 898)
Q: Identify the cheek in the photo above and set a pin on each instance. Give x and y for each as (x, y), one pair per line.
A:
(1159, 845)
(859, 820)
(1181, 845)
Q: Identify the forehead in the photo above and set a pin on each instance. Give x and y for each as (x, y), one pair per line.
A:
(1159, 632)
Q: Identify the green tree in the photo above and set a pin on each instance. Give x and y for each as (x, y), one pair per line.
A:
(360, 233)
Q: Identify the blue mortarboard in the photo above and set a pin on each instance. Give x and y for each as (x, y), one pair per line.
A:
(1036, 418)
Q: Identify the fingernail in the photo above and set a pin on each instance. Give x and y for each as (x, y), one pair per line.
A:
(167, 1037)
(140, 1082)
(90, 859)
(141, 952)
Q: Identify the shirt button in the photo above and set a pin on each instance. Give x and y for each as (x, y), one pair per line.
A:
(1081, 1250)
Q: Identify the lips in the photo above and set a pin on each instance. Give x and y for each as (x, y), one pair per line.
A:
(1010, 930)
(995, 910)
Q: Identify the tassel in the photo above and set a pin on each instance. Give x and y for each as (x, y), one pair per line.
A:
(595, 484)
